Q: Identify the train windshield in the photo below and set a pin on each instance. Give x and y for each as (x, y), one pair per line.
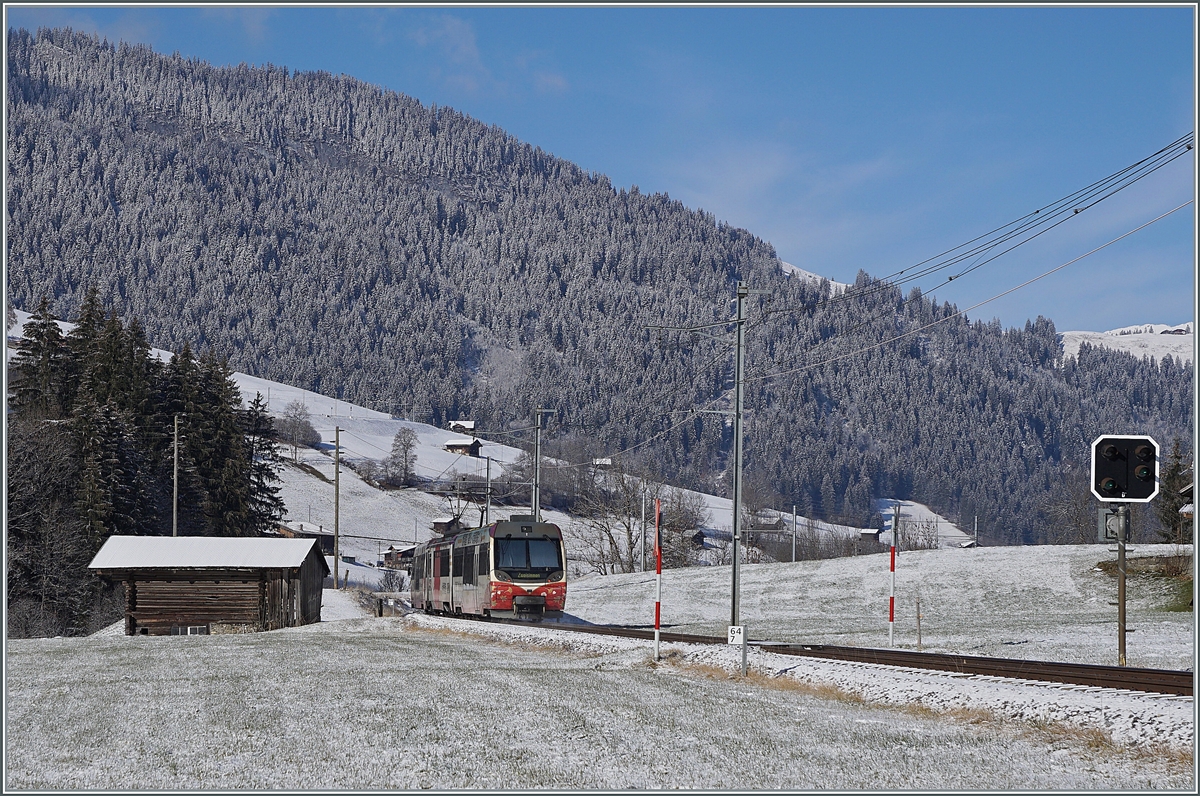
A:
(533, 556)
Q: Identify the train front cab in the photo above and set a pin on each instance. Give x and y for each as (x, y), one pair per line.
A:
(528, 576)
(512, 569)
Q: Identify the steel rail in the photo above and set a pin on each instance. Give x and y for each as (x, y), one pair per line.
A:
(1162, 681)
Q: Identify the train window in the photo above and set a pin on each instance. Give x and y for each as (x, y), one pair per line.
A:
(458, 561)
(443, 563)
(482, 569)
(511, 554)
(517, 554)
(544, 553)
(468, 566)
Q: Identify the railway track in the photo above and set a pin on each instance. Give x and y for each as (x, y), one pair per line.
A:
(1162, 681)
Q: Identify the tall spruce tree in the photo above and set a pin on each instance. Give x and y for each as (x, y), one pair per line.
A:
(40, 369)
(266, 507)
(1175, 474)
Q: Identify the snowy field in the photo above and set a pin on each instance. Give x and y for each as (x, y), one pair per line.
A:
(336, 705)
(1036, 603)
(421, 702)
(1141, 341)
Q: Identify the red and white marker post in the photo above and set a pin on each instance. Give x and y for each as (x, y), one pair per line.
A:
(657, 574)
(892, 598)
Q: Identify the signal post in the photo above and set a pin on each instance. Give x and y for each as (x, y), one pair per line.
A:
(1124, 470)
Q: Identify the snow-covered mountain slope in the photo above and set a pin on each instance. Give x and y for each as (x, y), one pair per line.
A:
(371, 519)
(1150, 339)
(800, 273)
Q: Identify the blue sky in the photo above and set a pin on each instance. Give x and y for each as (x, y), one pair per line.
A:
(848, 137)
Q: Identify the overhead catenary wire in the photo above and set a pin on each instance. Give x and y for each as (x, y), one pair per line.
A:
(1067, 207)
(961, 312)
(1121, 180)
(1036, 223)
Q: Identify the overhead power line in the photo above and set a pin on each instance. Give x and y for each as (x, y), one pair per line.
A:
(1035, 224)
(1021, 230)
(1026, 283)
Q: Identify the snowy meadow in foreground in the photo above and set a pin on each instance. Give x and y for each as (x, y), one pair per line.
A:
(1054, 603)
(421, 702)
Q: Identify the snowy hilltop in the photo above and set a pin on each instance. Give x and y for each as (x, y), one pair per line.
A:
(1149, 339)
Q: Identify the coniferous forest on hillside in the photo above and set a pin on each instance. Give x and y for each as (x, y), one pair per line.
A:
(96, 429)
(326, 233)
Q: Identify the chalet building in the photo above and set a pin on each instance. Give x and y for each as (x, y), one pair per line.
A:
(446, 526)
(197, 585)
(398, 557)
(301, 531)
(463, 426)
(467, 447)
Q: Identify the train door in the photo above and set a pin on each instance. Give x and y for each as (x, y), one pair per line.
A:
(470, 591)
(431, 581)
(483, 577)
(445, 576)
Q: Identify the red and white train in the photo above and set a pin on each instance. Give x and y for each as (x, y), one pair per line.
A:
(513, 568)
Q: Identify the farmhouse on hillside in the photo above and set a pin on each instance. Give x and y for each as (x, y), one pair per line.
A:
(467, 447)
(298, 531)
(197, 585)
(463, 426)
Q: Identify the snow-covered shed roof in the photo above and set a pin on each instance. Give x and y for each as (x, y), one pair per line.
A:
(195, 552)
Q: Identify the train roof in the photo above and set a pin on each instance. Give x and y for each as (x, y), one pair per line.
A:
(515, 525)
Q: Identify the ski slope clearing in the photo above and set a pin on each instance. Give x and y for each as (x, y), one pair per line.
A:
(1146, 340)
(427, 703)
(921, 518)
(1037, 603)
(799, 273)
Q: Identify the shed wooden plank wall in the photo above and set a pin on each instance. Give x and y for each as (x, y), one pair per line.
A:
(158, 600)
(264, 600)
(308, 598)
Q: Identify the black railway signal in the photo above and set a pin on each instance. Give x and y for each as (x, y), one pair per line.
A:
(1125, 469)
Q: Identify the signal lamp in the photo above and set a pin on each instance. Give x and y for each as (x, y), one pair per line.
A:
(1125, 468)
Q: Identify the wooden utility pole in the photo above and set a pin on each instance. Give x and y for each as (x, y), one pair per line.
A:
(337, 488)
(793, 534)
(537, 464)
(175, 488)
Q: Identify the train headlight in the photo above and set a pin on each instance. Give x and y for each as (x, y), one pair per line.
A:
(556, 575)
(504, 576)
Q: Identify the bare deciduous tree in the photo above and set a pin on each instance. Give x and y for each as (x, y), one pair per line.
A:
(296, 428)
(401, 464)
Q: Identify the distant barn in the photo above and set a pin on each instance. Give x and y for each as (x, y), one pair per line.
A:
(189, 585)
(467, 447)
(323, 537)
(398, 557)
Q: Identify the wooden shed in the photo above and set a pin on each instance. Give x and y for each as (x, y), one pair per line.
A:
(185, 585)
